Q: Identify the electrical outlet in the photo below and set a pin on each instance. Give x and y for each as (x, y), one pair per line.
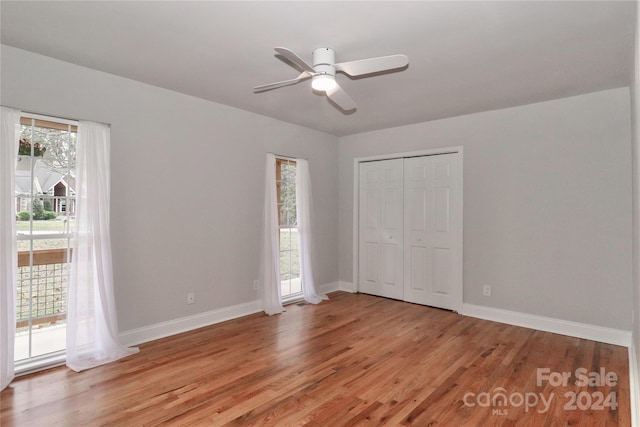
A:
(255, 285)
(486, 290)
(191, 298)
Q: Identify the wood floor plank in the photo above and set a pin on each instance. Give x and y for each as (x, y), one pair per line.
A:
(353, 360)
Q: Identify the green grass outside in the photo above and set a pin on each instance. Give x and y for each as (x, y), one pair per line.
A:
(53, 226)
(57, 224)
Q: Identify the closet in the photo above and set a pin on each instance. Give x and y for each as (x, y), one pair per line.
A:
(410, 229)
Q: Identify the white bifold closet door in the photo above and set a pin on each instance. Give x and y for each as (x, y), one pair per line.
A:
(410, 222)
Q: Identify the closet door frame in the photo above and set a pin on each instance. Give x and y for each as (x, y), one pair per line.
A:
(356, 207)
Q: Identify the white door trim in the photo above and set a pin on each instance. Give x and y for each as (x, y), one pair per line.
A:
(356, 195)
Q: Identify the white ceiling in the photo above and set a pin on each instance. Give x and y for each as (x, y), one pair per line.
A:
(464, 57)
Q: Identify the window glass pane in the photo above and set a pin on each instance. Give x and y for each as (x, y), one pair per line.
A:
(287, 194)
(285, 237)
(56, 148)
(284, 265)
(41, 301)
(49, 216)
(283, 215)
(44, 181)
(295, 264)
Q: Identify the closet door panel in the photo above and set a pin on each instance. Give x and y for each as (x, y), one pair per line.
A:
(381, 228)
(418, 271)
(433, 228)
(441, 271)
(369, 219)
(418, 215)
(371, 264)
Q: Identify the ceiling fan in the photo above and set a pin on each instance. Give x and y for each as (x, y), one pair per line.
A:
(323, 72)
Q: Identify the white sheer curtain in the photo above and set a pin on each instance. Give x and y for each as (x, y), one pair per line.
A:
(92, 328)
(305, 232)
(270, 251)
(9, 136)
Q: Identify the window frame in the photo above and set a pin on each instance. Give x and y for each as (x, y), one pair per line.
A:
(44, 257)
(287, 224)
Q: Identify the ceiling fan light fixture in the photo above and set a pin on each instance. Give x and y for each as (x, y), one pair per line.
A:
(323, 82)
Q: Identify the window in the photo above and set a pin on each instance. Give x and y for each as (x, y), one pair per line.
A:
(290, 282)
(45, 215)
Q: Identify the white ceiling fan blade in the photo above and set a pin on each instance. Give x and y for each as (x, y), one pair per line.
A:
(291, 56)
(341, 98)
(372, 65)
(262, 88)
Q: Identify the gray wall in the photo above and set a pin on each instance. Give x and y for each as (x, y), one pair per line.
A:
(187, 185)
(547, 204)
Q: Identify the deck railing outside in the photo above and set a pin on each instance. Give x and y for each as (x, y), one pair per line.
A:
(42, 288)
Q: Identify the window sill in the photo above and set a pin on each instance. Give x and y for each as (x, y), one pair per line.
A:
(40, 363)
(292, 299)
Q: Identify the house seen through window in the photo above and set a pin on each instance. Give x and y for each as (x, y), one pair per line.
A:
(45, 213)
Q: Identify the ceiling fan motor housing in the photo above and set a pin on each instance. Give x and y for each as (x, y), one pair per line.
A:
(323, 60)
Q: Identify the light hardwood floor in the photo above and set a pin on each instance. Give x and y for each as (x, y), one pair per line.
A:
(353, 360)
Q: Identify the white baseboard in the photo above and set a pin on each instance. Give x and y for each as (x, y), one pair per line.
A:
(542, 323)
(185, 324)
(346, 286)
(329, 287)
(549, 324)
(634, 384)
